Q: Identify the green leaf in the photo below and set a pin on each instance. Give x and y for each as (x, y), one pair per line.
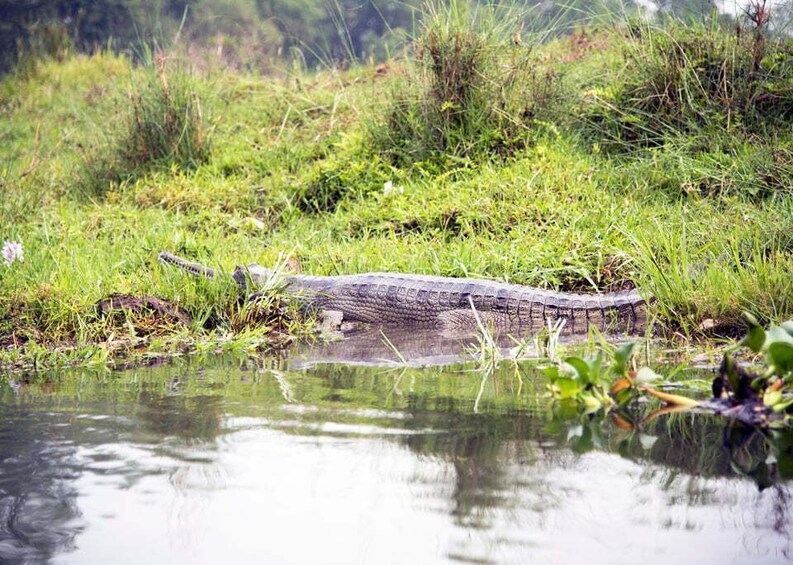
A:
(787, 326)
(566, 388)
(591, 402)
(784, 405)
(624, 396)
(551, 372)
(580, 366)
(594, 367)
(732, 374)
(755, 339)
(622, 356)
(781, 355)
(772, 397)
(778, 334)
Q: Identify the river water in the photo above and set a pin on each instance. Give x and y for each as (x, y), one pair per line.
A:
(228, 460)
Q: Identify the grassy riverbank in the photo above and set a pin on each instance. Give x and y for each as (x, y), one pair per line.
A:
(595, 162)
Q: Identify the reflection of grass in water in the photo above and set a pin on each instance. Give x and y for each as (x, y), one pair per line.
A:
(487, 422)
(694, 442)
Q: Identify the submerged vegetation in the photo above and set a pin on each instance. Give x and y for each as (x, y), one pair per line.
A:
(617, 155)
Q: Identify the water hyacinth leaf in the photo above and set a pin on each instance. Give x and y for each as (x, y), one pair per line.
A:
(624, 396)
(552, 372)
(646, 375)
(580, 367)
(733, 378)
(777, 334)
(566, 388)
(781, 355)
(621, 357)
(591, 403)
(755, 339)
(772, 397)
(783, 405)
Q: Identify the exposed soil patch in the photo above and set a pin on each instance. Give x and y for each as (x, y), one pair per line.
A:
(151, 311)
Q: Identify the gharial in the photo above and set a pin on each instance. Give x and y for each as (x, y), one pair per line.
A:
(446, 302)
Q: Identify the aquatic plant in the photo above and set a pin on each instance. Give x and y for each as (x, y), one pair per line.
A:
(754, 395)
(771, 384)
(587, 380)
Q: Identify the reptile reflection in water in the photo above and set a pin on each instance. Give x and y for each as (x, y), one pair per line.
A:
(413, 347)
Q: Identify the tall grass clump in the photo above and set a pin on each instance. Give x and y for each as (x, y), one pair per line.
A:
(696, 79)
(473, 89)
(164, 126)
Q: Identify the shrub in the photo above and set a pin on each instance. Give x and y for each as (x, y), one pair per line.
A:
(698, 80)
(475, 88)
(165, 123)
(164, 126)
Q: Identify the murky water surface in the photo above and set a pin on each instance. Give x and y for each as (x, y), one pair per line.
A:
(304, 461)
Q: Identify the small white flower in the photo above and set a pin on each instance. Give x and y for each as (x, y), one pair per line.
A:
(388, 188)
(12, 251)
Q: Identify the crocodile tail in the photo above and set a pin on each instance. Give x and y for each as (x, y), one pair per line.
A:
(189, 266)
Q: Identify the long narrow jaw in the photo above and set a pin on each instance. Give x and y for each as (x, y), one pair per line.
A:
(194, 268)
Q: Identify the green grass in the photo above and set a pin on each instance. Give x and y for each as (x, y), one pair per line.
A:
(474, 87)
(297, 165)
(163, 127)
(700, 77)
